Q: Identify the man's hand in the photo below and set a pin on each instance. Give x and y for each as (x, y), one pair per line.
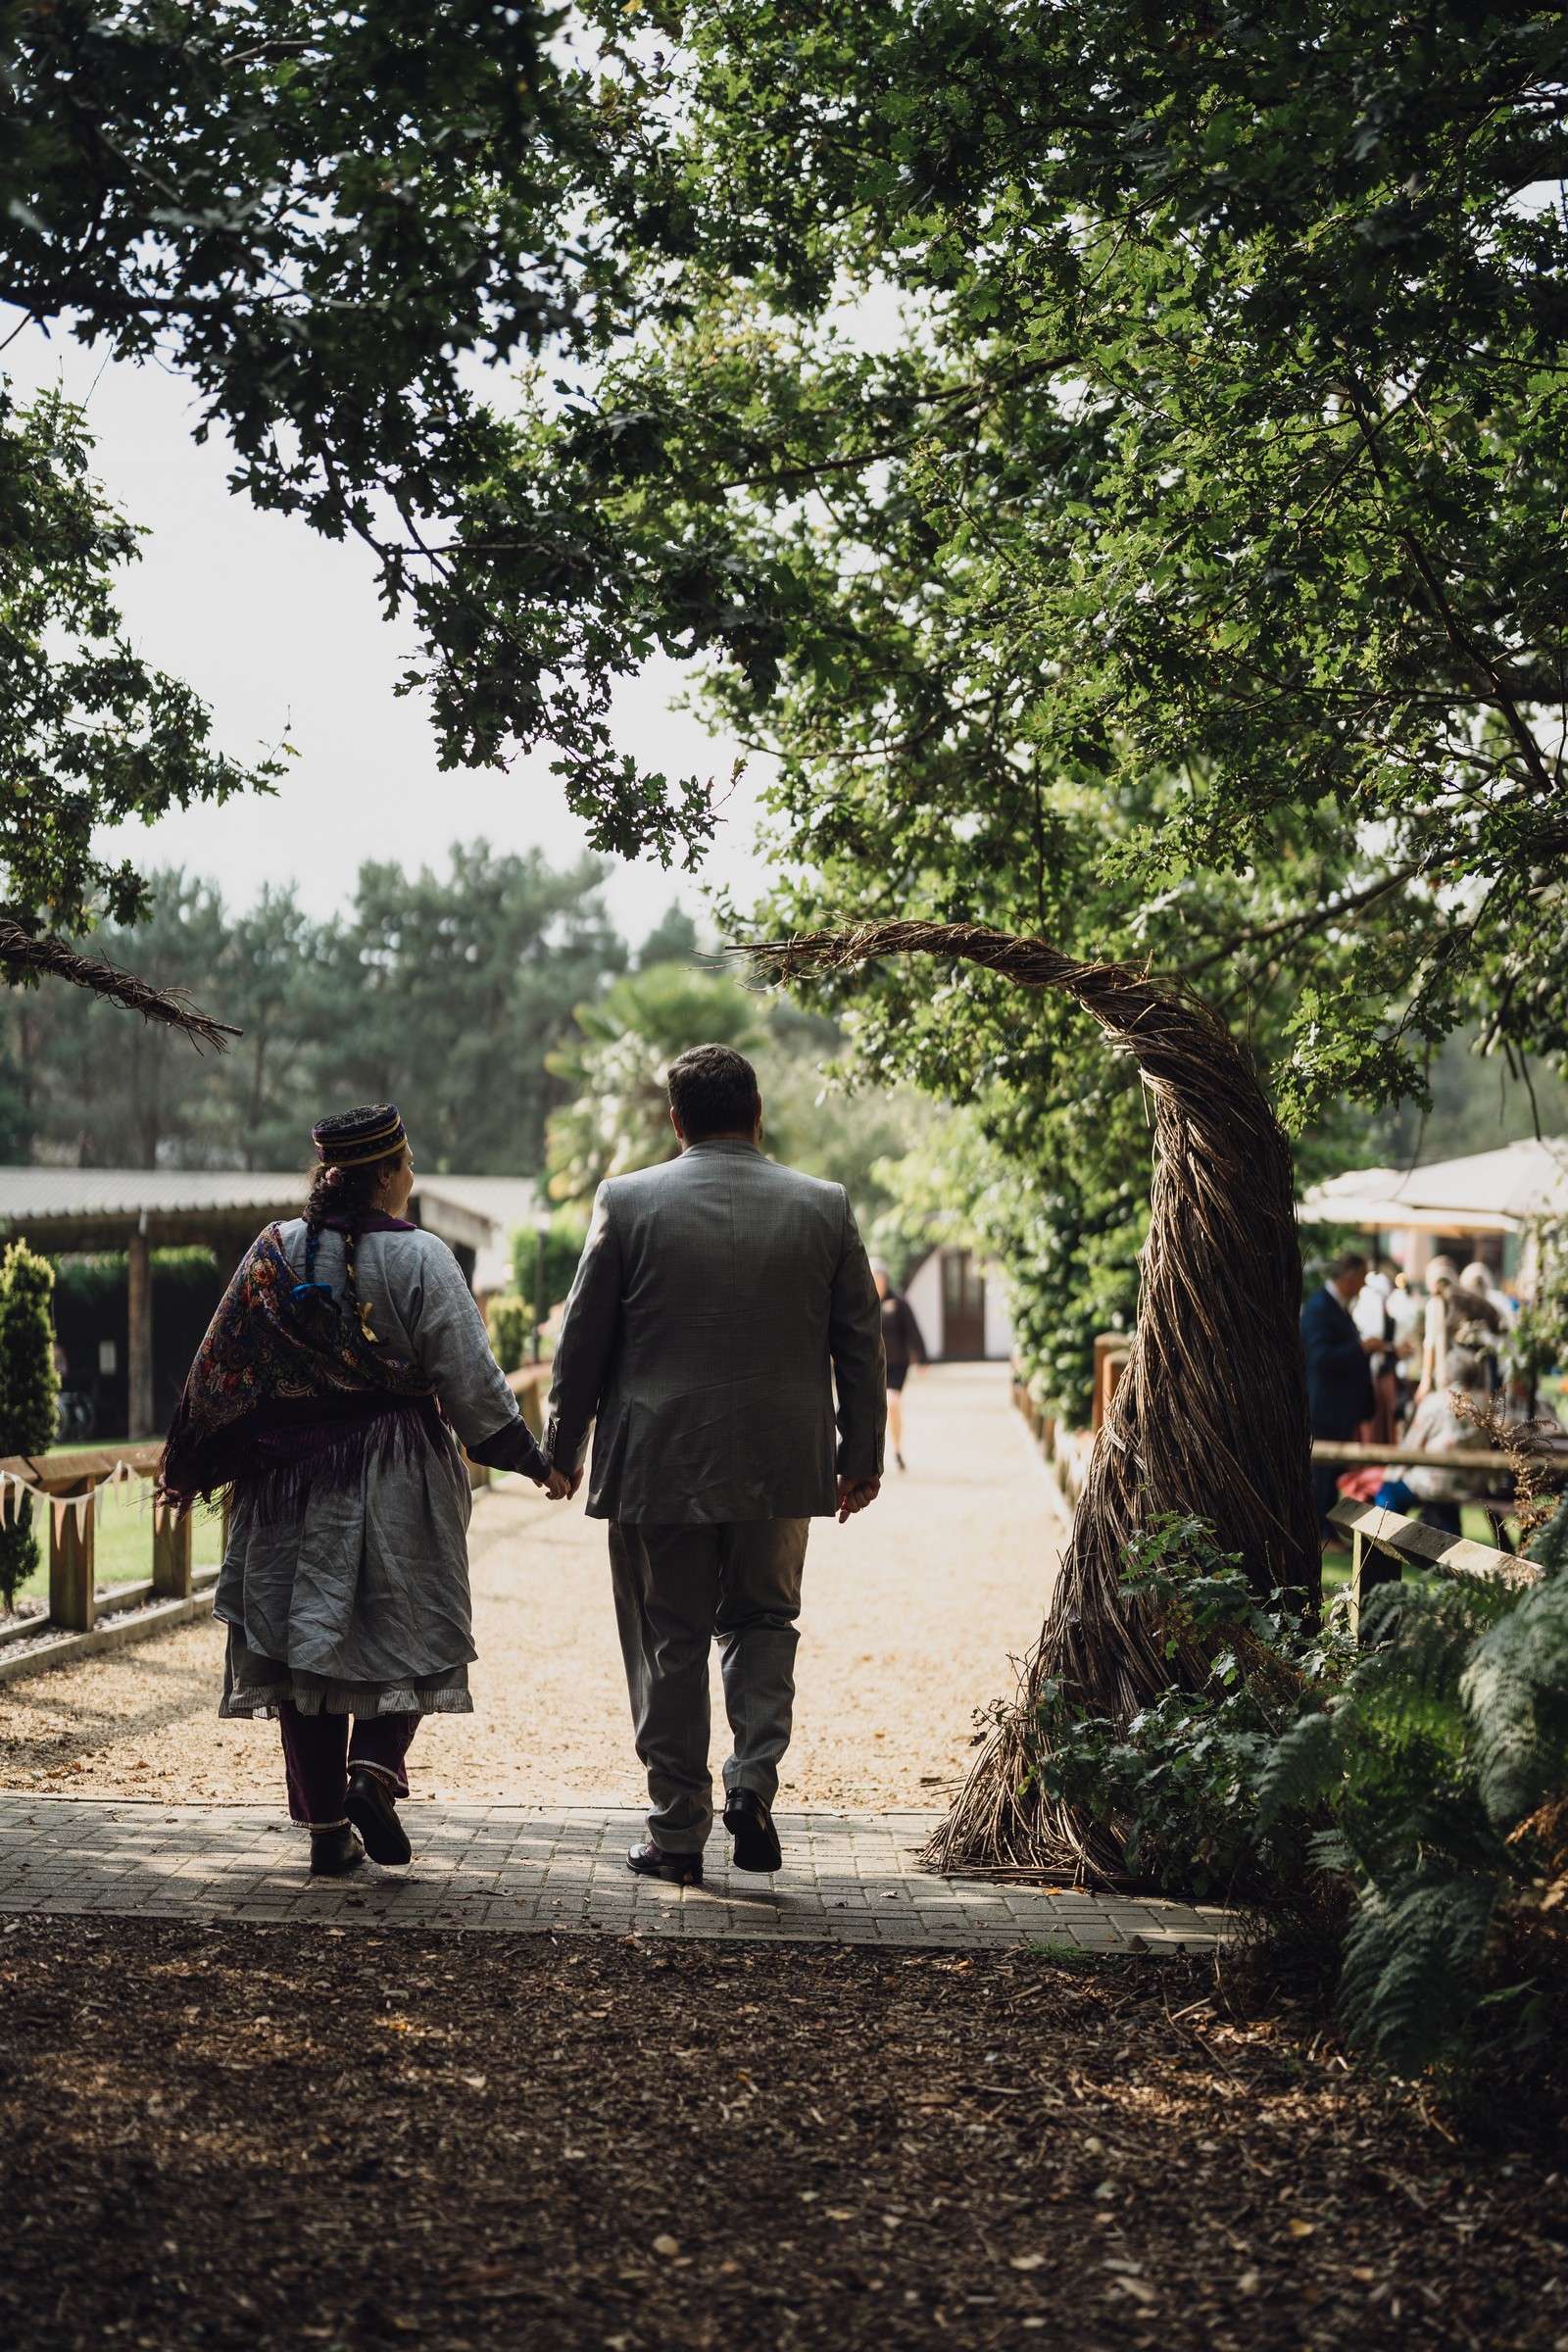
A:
(558, 1486)
(855, 1493)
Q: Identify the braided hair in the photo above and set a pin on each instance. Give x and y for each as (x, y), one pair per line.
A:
(356, 1148)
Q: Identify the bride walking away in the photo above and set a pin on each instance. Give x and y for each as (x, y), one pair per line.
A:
(323, 1402)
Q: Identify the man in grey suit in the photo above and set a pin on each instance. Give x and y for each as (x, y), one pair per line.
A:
(719, 1299)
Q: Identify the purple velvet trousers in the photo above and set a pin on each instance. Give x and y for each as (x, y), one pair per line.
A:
(319, 1752)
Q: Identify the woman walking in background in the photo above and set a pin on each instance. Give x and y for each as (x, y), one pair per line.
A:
(323, 1400)
(901, 1345)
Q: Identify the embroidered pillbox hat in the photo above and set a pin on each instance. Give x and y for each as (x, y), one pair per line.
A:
(353, 1138)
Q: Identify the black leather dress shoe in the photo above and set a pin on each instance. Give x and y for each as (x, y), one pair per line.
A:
(751, 1825)
(650, 1861)
(334, 1852)
(370, 1807)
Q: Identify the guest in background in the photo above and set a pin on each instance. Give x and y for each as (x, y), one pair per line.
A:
(1441, 1278)
(1440, 1427)
(1370, 1311)
(903, 1345)
(1457, 1315)
(1484, 1283)
(1406, 1309)
(1373, 1321)
(1339, 1394)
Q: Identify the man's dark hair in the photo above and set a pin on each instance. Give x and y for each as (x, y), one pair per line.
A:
(1348, 1261)
(712, 1091)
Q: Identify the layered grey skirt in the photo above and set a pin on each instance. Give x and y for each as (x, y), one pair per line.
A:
(361, 1606)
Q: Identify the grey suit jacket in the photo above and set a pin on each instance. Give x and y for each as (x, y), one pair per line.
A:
(718, 1298)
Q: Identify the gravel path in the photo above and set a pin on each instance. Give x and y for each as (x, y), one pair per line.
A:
(912, 1613)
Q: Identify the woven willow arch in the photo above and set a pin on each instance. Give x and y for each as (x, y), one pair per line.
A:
(1210, 1416)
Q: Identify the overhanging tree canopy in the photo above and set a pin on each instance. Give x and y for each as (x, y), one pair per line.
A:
(333, 222)
(1214, 483)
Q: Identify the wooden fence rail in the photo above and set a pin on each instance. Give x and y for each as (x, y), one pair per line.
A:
(64, 1489)
(1457, 1457)
(531, 1386)
(1068, 1451)
(1383, 1543)
(66, 1485)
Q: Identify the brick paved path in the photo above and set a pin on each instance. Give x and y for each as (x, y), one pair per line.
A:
(847, 1877)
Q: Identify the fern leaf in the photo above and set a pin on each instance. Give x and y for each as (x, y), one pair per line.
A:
(1515, 1690)
(1412, 1968)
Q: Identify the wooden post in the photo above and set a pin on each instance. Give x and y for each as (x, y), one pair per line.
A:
(1371, 1564)
(1112, 1352)
(172, 1546)
(71, 1602)
(139, 1366)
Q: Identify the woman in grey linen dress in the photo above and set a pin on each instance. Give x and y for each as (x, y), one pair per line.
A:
(355, 1601)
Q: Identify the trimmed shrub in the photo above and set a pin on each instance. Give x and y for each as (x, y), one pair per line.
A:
(510, 1323)
(569, 1230)
(29, 1393)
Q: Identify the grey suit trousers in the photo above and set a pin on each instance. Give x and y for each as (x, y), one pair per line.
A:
(677, 1588)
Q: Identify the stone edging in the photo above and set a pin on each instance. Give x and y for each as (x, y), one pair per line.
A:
(135, 1626)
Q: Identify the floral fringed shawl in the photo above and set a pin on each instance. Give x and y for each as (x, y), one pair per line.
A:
(285, 1396)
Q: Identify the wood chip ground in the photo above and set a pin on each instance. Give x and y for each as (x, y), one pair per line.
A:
(232, 2136)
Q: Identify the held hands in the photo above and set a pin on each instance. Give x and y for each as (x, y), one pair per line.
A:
(855, 1493)
(558, 1486)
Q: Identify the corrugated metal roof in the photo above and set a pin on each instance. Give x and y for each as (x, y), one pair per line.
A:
(506, 1201)
(126, 1192)
(480, 1212)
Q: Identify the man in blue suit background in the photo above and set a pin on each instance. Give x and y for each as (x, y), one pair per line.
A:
(1339, 1394)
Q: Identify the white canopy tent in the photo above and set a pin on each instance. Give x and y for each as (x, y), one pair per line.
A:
(1485, 1204)
(1487, 1191)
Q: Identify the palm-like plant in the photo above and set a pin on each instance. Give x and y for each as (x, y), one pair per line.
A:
(619, 1115)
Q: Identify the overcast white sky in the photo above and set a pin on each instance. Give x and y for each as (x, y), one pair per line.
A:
(279, 629)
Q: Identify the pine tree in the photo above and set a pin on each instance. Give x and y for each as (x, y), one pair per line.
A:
(29, 1389)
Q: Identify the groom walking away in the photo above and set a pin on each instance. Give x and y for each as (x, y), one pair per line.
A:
(718, 1301)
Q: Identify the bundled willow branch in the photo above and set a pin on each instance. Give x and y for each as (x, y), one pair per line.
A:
(20, 952)
(1209, 1418)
